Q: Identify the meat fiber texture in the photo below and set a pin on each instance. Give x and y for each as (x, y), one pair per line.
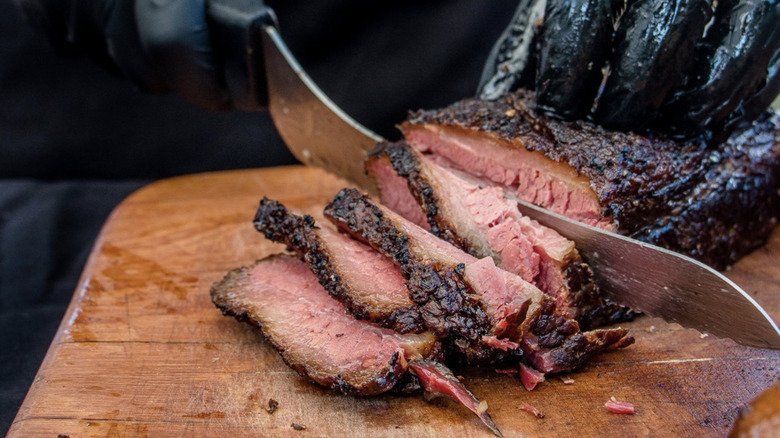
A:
(313, 332)
(483, 223)
(483, 313)
(369, 284)
(713, 204)
(362, 279)
(318, 338)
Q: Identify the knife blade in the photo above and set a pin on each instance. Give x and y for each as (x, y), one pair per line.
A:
(314, 128)
(666, 284)
(648, 278)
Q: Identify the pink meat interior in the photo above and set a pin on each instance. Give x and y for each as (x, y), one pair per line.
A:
(530, 175)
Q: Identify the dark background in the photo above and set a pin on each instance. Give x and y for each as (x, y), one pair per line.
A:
(75, 141)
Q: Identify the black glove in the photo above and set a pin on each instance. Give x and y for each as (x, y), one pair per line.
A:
(206, 50)
(676, 67)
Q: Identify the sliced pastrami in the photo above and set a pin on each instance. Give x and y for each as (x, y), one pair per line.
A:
(369, 284)
(484, 223)
(312, 330)
(468, 299)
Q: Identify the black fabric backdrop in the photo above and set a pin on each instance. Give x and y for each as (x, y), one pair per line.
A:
(75, 141)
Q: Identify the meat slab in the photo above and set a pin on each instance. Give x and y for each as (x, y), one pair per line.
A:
(318, 338)
(714, 204)
(483, 223)
(370, 285)
(479, 309)
(313, 332)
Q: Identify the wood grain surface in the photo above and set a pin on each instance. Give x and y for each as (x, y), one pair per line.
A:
(142, 351)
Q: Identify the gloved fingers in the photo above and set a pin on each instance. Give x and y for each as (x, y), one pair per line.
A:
(236, 28)
(733, 62)
(512, 61)
(757, 103)
(50, 18)
(86, 30)
(665, 71)
(175, 36)
(104, 30)
(124, 46)
(576, 40)
(654, 44)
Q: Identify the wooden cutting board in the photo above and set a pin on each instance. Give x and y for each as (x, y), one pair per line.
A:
(142, 351)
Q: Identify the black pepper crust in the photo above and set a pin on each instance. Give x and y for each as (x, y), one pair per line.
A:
(734, 207)
(380, 382)
(714, 204)
(449, 306)
(407, 165)
(279, 224)
(585, 295)
(596, 311)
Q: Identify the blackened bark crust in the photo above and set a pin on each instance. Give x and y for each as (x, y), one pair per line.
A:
(597, 311)
(450, 306)
(585, 295)
(380, 382)
(279, 224)
(407, 166)
(447, 304)
(713, 204)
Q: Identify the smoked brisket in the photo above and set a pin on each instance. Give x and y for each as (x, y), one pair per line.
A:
(369, 284)
(484, 224)
(312, 330)
(480, 309)
(713, 204)
(321, 341)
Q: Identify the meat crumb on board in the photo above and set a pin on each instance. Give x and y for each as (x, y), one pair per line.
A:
(619, 407)
(273, 405)
(530, 377)
(528, 408)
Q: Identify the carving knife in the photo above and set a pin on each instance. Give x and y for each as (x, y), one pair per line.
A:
(647, 278)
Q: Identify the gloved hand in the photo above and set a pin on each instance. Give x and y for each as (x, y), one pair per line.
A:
(201, 49)
(673, 66)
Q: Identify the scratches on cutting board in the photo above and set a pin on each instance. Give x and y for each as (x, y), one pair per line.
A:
(698, 359)
(238, 401)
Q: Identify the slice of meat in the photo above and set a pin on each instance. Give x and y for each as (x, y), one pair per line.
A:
(470, 300)
(714, 204)
(312, 330)
(619, 407)
(442, 205)
(317, 337)
(485, 224)
(439, 380)
(370, 285)
(530, 377)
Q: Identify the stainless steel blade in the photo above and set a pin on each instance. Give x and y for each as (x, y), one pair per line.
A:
(315, 129)
(666, 284)
(647, 278)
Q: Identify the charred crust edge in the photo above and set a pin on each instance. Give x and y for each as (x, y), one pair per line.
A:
(447, 304)
(406, 163)
(281, 225)
(656, 190)
(390, 374)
